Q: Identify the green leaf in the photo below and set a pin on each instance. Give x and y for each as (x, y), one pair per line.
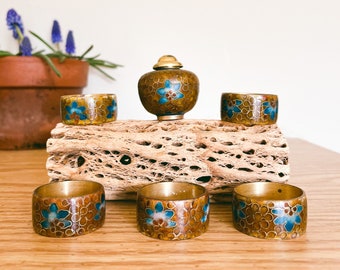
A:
(50, 63)
(103, 72)
(86, 52)
(5, 53)
(93, 61)
(43, 41)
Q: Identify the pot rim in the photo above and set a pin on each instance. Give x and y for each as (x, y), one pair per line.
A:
(39, 74)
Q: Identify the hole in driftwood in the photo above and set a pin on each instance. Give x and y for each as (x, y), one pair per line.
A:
(204, 179)
(125, 160)
(212, 159)
(175, 168)
(195, 168)
(157, 146)
(178, 144)
(249, 152)
(201, 145)
(245, 169)
(146, 143)
(80, 161)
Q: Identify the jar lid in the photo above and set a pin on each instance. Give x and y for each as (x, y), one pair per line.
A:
(167, 62)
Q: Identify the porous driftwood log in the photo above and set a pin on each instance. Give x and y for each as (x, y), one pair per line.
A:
(125, 155)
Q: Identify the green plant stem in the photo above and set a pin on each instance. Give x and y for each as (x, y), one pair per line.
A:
(5, 53)
(21, 36)
(93, 61)
(43, 41)
(50, 63)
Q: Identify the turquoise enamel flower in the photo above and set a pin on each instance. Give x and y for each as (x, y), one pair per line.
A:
(111, 108)
(99, 207)
(238, 210)
(270, 109)
(54, 215)
(75, 112)
(160, 217)
(288, 217)
(206, 209)
(232, 108)
(170, 91)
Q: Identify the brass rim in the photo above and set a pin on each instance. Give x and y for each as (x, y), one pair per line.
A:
(268, 191)
(172, 191)
(68, 189)
(170, 117)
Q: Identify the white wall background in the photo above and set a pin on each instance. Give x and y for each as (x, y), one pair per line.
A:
(289, 47)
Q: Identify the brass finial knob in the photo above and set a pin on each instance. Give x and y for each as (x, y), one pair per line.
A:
(167, 62)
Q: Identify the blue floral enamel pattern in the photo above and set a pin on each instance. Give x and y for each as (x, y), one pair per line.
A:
(278, 219)
(112, 109)
(249, 109)
(232, 107)
(99, 207)
(160, 217)
(53, 216)
(88, 109)
(75, 112)
(170, 91)
(173, 219)
(67, 217)
(271, 109)
(206, 210)
(238, 210)
(288, 216)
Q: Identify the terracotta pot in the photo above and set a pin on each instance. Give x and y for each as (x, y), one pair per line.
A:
(30, 94)
(169, 91)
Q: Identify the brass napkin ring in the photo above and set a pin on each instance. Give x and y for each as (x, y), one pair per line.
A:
(68, 208)
(249, 109)
(94, 109)
(172, 210)
(270, 210)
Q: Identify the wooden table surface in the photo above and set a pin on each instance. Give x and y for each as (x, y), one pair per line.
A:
(118, 244)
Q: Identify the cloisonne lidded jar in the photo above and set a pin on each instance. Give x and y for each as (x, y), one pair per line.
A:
(169, 91)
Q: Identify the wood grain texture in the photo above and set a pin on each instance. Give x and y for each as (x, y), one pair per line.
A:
(118, 244)
(126, 155)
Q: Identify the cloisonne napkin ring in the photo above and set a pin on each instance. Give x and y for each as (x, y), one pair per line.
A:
(270, 210)
(249, 109)
(68, 208)
(172, 210)
(91, 109)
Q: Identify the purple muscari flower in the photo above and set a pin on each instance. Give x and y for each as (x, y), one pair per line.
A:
(14, 21)
(25, 47)
(56, 34)
(70, 47)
